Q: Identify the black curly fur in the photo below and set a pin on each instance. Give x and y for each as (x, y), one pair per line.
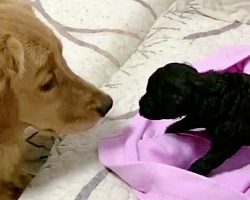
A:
(220, 103)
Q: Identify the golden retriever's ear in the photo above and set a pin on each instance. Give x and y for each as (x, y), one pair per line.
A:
(11, 56)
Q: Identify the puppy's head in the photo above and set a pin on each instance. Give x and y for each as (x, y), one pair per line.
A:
(168, 92)
(50, 95)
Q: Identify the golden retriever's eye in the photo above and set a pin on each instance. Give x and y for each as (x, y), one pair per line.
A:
(50, 84)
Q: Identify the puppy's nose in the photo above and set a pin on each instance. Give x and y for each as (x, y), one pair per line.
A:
(144, 105)
(142, 102)
(106, 106)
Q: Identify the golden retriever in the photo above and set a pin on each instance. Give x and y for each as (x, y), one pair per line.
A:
(36, 88)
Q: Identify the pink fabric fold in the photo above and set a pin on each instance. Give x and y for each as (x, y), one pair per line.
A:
(155, 164)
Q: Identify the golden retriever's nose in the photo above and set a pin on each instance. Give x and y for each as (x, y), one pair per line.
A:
(106, 106)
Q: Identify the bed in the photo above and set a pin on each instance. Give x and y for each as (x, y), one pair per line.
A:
(116, 45)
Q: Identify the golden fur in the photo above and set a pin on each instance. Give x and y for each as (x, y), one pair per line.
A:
(36, 88)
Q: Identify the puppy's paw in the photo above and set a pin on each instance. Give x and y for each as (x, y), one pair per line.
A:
(200, 168)
(174, 128)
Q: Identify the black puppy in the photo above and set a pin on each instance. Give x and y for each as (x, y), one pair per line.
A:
(220, 103)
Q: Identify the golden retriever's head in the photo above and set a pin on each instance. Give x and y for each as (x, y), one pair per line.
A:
(50, 95)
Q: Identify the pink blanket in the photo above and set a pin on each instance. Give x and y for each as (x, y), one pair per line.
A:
(154, 164)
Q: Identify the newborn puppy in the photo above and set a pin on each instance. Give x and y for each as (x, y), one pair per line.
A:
(220, 103)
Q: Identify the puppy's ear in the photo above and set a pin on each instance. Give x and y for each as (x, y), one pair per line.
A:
(207, 84)
(11, 56)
